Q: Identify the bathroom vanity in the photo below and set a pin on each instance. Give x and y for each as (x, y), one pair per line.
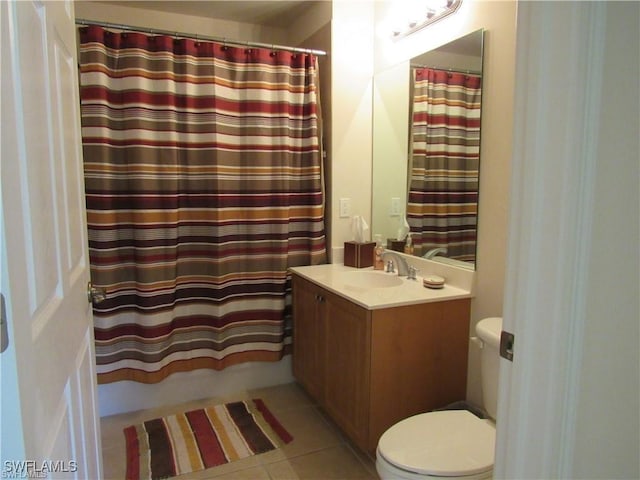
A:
(373, 348)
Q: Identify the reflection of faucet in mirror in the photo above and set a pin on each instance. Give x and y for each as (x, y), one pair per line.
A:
(433, 252)
(403, 266)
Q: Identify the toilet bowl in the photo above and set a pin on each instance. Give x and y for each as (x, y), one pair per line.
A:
(449, 443)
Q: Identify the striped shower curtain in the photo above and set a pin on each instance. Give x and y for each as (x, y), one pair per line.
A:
(443, 189)
(203, 181)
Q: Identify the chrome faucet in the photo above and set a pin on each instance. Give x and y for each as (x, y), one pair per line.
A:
(413, 272)
(433, 252)
(403, 266)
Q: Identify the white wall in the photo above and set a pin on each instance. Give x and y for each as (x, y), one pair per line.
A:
(498, 18)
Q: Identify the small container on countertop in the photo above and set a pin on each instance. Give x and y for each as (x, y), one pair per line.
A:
(358, 254)
(433, 281)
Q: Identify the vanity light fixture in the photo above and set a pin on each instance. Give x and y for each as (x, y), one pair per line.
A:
(431, 12)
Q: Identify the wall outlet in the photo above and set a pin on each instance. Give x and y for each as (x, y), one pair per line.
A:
(345, 207)
(395, 207)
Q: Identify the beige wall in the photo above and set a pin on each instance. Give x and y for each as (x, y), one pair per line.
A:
(306, 24)
(322, 39)
(137, 17)
(314, 19)
(352, 67)
(498, 19)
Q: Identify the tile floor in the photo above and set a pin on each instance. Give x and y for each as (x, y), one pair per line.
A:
(318, 450)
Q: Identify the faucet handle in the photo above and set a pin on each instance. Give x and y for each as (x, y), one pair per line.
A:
(390, 267)
(412, 273)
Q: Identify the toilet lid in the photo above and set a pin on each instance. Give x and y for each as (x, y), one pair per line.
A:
(446, 443)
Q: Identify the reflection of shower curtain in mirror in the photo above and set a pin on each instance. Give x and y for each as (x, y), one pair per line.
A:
(204, 184)
(443, 188)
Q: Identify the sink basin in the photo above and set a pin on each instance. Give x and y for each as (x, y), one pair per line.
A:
(369, 279)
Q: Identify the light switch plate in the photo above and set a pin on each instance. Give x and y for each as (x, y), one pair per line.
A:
(395, 207)
(345, 207)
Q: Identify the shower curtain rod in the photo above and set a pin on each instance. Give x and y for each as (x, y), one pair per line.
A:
(453, 70)
(152, 31)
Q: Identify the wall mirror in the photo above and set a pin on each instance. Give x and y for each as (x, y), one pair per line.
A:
(426, 150)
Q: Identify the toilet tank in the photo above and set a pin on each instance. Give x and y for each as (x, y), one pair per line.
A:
(488, 331)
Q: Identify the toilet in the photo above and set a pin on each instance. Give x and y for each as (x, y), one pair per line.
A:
(449, 443)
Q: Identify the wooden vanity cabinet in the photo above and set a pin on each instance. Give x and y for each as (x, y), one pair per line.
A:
(308, 337)
(369, 369)
(347, 349)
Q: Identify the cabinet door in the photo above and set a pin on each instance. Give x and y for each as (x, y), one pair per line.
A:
(419, 361)
(347, 367)
(308, 336)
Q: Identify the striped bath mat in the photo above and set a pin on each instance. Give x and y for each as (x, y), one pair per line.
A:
(200, 439)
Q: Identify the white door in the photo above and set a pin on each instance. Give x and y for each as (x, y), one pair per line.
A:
(48, 371)
(569, 402)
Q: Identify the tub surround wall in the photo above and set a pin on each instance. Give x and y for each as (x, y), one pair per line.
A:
(121, 397)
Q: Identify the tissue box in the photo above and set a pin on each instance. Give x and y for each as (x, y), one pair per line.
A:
(358, 254)
(397, 245)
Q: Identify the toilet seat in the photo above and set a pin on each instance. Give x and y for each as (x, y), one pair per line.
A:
(453, 443)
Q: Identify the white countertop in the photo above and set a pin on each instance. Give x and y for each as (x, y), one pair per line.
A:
(338, 279)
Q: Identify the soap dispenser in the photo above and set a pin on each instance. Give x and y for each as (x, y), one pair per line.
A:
(408, 247)
(378, 263)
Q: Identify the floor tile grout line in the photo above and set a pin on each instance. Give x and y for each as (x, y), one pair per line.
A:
(302, 454)
(291, 399)
(332, 425)
(369, 466)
